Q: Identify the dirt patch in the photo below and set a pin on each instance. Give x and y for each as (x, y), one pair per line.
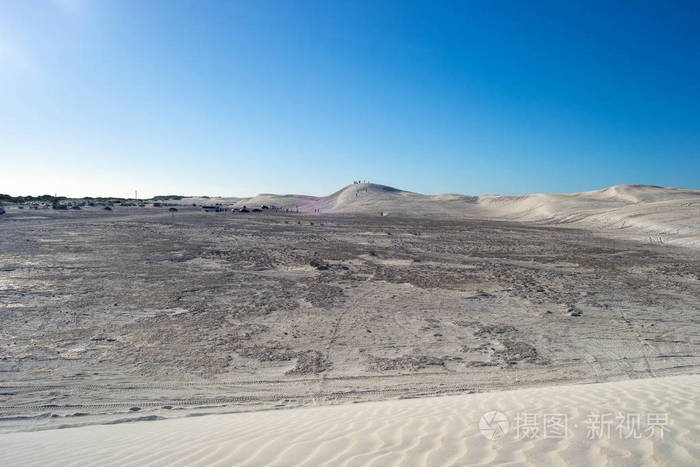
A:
(517, 351)
(310, 362)
(406, 363)
(267, 354)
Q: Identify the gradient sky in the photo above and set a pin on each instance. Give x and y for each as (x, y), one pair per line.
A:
(237, 98)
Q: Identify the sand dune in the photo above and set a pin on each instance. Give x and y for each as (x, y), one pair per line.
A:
(641, 193)
(433, 431)
(639, 212)
(357, 198)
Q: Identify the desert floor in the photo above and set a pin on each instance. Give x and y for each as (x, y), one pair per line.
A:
(137, 314)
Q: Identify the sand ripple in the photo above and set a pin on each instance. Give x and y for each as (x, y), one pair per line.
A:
(433, 431)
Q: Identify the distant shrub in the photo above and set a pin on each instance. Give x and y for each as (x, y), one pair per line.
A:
(30, 199)
(167, 197)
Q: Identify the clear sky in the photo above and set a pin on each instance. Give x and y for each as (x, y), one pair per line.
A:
(236, 98)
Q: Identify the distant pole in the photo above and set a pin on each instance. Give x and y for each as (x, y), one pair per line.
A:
(136, 195)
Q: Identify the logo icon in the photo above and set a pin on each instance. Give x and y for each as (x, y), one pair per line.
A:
(493, 425)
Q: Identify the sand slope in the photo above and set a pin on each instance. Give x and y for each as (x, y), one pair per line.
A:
(433, 431)
(367, 198)
(639, 212)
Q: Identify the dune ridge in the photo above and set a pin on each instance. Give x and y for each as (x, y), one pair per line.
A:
(438, 431)
(639, 212)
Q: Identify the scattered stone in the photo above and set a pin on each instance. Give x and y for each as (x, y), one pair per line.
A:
(319, 265)
(478, 363)
(481, 295)
(489, 329)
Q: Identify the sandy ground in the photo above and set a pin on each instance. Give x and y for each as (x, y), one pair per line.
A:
(137, 314)
(630, 423)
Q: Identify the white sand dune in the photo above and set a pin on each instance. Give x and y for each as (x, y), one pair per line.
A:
(640, 212)
(364, 198)
(439, 431)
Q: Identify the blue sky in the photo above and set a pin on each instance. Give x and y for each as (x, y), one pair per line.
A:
(236, 98)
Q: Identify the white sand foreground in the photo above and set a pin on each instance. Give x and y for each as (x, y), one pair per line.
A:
(639, 422)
